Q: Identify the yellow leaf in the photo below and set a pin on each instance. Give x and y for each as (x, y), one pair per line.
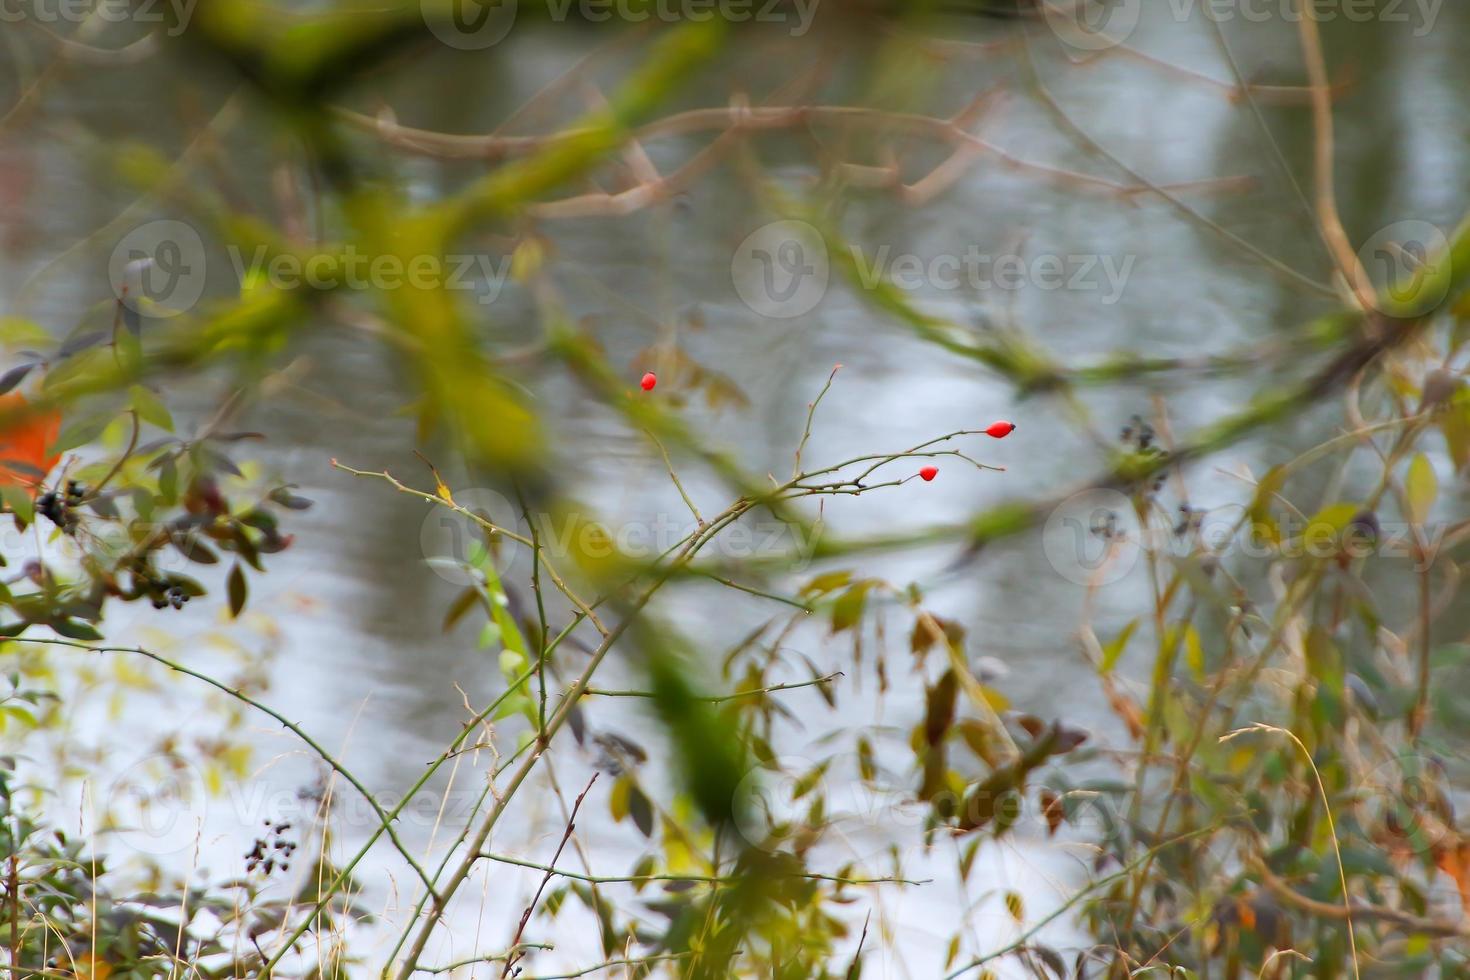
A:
(1194, 652)
(1262, 522)
(527, 260)
(617, 800)
(92, 968)
(995, 699)
(1324, 531)
(1115, 647)
(1421, 487)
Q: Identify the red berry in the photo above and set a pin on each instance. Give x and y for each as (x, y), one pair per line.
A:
(649, 380)
(1001, 429)
(929, 473)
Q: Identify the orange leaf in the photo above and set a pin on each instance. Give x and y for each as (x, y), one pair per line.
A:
(26, 441)
(1454, 860)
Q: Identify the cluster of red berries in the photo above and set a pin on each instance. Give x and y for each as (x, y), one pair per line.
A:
(996, 430)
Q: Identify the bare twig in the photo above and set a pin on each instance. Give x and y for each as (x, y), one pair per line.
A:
(511, 960)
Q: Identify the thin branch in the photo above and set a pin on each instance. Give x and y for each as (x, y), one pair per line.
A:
(1323, 159)
(488, 958)
(510, 961)
(722, 698)
(488, 525)
(384, 819)
(811, 412)
(551, 869)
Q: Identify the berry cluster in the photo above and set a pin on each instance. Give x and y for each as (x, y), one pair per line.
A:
(268, 855)
(162, 591)
(998, 429)
(995, 430)
(1139, 436)
(60, 509)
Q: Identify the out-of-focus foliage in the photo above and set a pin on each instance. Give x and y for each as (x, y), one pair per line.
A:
(1284, 802)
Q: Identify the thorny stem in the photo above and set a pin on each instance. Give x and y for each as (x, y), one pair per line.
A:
(553, 725)
(552, 870)
(811, 412)
(510, 961)
(722, 698)
(295, 729)
(541, 652)
(429, 771)
(490, 526)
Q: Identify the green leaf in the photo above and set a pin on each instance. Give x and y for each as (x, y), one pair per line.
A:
(237, 590)
(168, 481)
(826, 582)
(151, 409)
(79, 433)
(193, 549)
(19, 501)
(74, 629)
(640, 809)
(848, 609)
(510, 633)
